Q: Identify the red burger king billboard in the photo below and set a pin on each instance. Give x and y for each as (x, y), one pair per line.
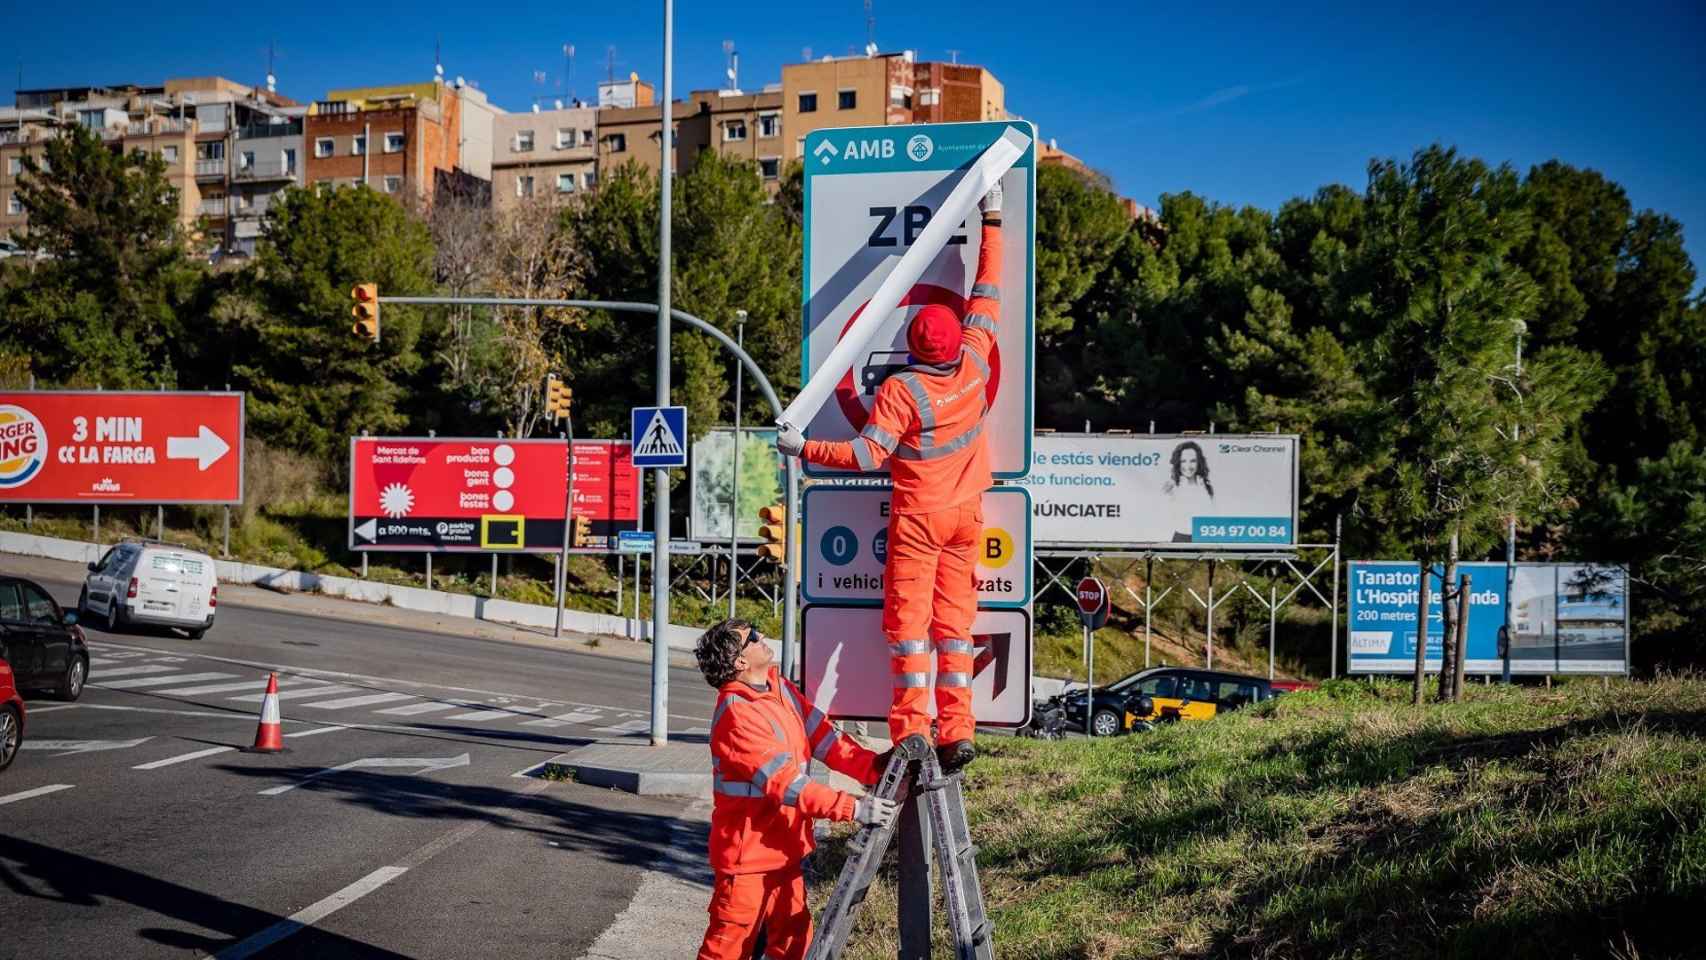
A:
(116, 447)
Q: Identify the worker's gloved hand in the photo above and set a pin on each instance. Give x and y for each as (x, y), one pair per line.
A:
(790, 442)
(875, 811)
(991, 202)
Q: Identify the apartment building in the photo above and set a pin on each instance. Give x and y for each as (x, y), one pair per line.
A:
(248, 148)
(631, 134)
(23, 133)
(743, 125)
(544, 151)
(392, 138)
(884, 89)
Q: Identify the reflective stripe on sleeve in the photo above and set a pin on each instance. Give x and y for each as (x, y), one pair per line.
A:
(979, 321)
(734, 788)
(822, 749)
(951, 679)
(955, 646)
(791, 797)
(764, 773)
(909, 680)
(908, 647)
(879, 436)
(990, 290)
(862, 454)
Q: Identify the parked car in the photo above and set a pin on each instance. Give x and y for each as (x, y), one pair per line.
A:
(154, 583)
(42, 643)
(11, 716)
(1293, 686)
(1162, 695)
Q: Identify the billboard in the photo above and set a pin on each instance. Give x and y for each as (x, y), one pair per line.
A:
(117, 447)
(1225, 490)
(845, 545)
(845, 664)
(713, 482)
(607, 490)
(869, 192)
(1566, 618)
(460, 494)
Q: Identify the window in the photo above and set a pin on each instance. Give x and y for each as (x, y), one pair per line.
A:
(245, 201)
(808, 103)
(288, 156)
(394, 142)
(246, 160)
(11, 604)
(929, 97)
(846, 99)
(618, 142)
(565, 138)
(38, 606)
(900, 96)
(769, 167)
(799, 146)
(393, 184)
(523, 141)
(524, 186)
(586, 136)
(1234, 694)
(322, 147)
(211, 150)
(769, 125)
(589, 179)
(1162, 686)
(14, 206)
(169, 153)
(15, 165)
(358, 145)
(734, 130)
(565, 183)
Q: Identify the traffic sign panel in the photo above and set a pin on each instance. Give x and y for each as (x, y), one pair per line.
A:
(845, 545)
(1093, 602)
(106, 446)
(889, 181)
(845, 664)
(659, 435)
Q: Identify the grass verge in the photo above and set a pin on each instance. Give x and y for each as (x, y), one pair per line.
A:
(1522, 822)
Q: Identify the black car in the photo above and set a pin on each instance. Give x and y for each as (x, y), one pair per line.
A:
(1160, 695)
(43, 643)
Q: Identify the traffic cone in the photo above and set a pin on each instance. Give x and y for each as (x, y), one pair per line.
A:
(269, 737)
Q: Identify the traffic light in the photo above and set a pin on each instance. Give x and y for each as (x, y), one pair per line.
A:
(582, 529)
(773, 528)
(557, 398)
(365, 311)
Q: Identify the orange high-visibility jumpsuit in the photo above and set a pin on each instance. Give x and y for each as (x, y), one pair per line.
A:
(762, 812)
(929, 417)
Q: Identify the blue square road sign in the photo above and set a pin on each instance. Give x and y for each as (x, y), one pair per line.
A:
(659, 435)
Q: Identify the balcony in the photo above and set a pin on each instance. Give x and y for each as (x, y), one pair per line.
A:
(276, 170)
(215, 207)
(257, 131)
(210, 169)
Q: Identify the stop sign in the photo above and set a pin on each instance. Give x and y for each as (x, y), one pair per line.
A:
(1092, 602)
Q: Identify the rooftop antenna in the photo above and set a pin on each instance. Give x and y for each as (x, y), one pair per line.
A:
(272, 79)
(609, 64)
(870, 30)
(437, 59)
(731, 64)
(806, 54)
(568, 69)
(953, 56)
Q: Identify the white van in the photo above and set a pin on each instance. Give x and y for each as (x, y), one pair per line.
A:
(150, 582)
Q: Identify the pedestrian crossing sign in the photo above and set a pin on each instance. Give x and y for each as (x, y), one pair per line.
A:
(659, 435)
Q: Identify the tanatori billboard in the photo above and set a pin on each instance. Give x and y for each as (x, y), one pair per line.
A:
(1223, 490)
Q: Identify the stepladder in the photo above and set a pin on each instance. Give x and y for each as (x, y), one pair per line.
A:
(914, 779)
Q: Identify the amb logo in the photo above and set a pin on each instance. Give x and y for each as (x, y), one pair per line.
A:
(23, 446)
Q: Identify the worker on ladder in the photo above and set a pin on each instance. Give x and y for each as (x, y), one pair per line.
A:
(929, 419)
(763, 734)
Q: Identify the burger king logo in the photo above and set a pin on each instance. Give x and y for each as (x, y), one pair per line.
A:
(23, 446)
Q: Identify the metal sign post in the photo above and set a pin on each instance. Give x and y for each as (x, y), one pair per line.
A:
(1093, 606)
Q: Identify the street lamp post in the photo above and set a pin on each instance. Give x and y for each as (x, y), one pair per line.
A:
(734, 498)
(660, 503)
(1510, 529)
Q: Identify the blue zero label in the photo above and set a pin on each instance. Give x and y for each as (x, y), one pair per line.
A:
(840, 546)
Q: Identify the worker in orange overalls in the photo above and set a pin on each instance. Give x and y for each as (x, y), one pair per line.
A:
(929, 417)
(763, 733)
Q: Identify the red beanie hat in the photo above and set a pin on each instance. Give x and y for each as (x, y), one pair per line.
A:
(934, 334)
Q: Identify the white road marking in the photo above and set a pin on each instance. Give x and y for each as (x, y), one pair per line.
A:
(133, 672)
(366, 701)
(214, 688)
(427, 765)
(409, 710)
(183, 758)
(295, 692)
(625, 728)
(162, 681)
(69, 747)
(481, 716)
(564, 719)
(37, 792)
(666, 917)
(314, 732)
(308, 916)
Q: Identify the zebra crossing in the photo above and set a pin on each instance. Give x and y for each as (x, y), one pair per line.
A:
(343, 700)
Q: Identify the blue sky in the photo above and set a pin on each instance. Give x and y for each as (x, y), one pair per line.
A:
(1241, 105)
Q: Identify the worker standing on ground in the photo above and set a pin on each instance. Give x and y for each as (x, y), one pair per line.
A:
(763, 734)
(929, 418)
